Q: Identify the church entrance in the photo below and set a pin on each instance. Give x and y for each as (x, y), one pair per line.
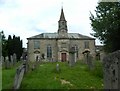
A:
(63, 57)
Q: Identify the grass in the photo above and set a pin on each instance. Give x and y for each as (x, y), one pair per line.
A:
(8, 76)
(45, 76)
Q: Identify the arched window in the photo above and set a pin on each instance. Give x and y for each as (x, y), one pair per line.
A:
(49, 51)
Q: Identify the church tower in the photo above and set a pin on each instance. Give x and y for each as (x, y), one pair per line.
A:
(62, 25)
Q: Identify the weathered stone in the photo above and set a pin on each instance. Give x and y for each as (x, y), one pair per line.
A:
(72, 56)
(11, 58)
(19, 76)
(3, 61)
(112, 70)
(14, 59)
(57, 68)
(90, 62)
(7, 63)
(88, 59)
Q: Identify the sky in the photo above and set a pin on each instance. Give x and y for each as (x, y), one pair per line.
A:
(26, 18)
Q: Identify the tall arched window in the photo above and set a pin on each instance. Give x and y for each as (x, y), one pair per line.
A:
(49, 51)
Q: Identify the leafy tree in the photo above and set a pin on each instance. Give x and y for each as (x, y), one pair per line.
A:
(106, 25)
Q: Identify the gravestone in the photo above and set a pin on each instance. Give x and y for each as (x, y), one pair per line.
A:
(72, 56)
(111, 64)
(3, 61)
(57, 68)
(11, 58)
(18, 77)
(14, 59)
(21, 58)
(7, 63)
(88, 59)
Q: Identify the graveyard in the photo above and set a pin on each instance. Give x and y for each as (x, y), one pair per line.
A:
(46, 75)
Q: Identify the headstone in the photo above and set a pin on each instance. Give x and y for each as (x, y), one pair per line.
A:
(21, 58)
(111, 64)
(7, 63)
(14, 59)
(3, 61)
(72, 56)
(57, 67)
(11, 58)
(90, 61)
(18, 77)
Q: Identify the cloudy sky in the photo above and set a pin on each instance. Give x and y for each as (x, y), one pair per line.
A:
(26, 18)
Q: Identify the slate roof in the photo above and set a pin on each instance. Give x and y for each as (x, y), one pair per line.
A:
(55, 35)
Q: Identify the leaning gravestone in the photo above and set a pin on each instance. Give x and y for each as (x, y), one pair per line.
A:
(14, 59)
(111, 65)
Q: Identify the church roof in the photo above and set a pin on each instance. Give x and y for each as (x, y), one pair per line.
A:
(55, 36)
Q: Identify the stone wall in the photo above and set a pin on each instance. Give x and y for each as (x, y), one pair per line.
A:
(55, 48)
(111, 69)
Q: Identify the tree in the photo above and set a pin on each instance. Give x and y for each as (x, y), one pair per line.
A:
(4, 45)
(106, 25)
(10, 46)
(14, 46)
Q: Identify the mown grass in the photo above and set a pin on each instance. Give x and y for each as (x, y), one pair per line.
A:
(46, 77)
(8, 76)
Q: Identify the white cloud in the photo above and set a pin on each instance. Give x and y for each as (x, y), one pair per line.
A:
(26, 18)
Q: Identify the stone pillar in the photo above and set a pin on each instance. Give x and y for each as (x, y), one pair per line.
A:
(72, 56)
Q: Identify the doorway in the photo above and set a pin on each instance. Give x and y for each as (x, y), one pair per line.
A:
(63, 57)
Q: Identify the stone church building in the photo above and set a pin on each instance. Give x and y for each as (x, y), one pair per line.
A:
(56, 46)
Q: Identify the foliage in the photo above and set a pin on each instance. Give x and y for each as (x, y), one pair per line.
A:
(4, 45)
(106, 25)
(11, 46)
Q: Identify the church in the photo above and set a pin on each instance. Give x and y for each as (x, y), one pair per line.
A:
(56, 46)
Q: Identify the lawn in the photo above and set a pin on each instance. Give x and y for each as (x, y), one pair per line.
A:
(8, 76)
(79, 76)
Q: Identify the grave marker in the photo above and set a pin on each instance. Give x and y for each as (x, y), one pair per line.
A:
(72, 56)
(111, 64)
(88, 59)
(11, 58)
(57, 67)
(14, 59)
(7, 63)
